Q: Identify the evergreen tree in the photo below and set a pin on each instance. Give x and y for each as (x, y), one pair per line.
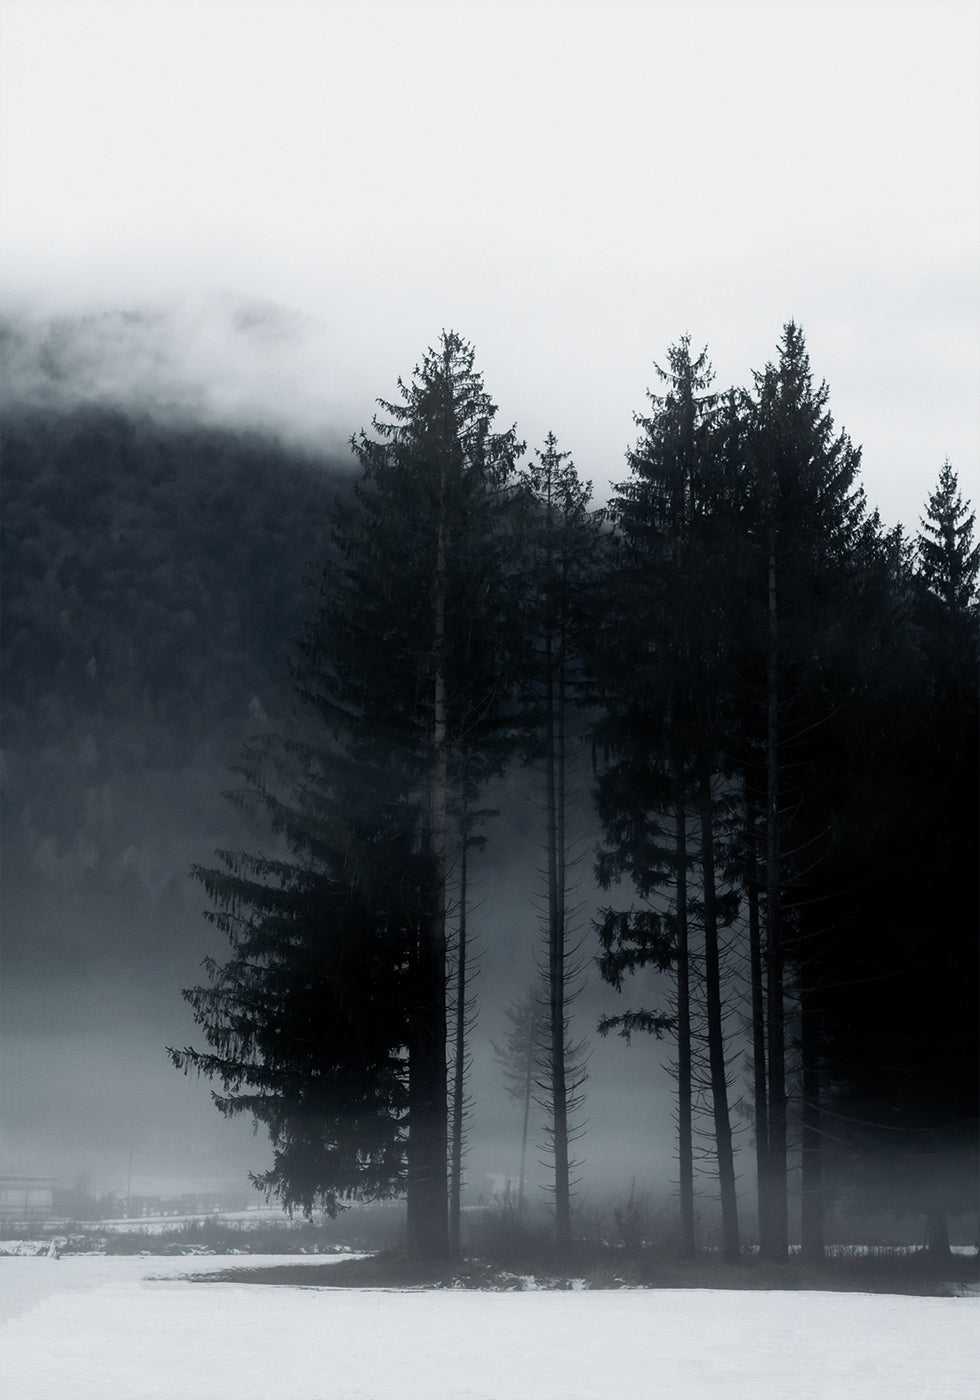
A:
(664, 733)
(426, 561)
(406, 671)
(307, 1018)
(803, 626)
(562, 547)
(948, 558)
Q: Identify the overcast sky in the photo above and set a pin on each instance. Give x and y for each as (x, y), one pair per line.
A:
(311, 192)
(572, 186)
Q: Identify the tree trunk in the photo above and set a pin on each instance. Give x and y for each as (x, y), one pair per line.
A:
(528, 1094)
(811, 1204)
(685, 1136)
(716, 1044)
(427, 1193)
(777, 1207)
(937, 1232)
(427, 1196)
(459, 1066)
(555, 764)
(760, 1093)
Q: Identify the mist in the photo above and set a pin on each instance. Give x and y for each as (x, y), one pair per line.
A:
(106, 810)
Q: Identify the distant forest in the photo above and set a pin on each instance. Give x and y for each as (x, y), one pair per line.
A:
(774, 695)
(153, 577)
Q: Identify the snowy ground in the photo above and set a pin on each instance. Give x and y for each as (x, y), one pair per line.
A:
(111, 1328)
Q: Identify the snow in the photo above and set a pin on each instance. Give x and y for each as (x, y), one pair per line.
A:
(135, 1328)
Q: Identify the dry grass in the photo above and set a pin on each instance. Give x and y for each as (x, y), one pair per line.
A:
(916, 1274)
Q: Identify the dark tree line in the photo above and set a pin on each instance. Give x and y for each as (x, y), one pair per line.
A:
(780, 696)
(151, 577)
(775, 688)
(135, 568)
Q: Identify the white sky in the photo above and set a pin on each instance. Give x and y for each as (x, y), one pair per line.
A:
(570, 185)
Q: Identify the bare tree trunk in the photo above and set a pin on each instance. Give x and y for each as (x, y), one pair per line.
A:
(528, 1094)
(685, 1135)
(812, 1204)
(555, 781)
(427, 1196)
(427, 1193)
(778, 1206)
(761, 1106)
(459, 1066)
(716, 1044)
(937, 1231)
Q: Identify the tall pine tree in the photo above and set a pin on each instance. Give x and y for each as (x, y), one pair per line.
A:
(562, 546)
(406, 669)
(804, 523)
(665, 693)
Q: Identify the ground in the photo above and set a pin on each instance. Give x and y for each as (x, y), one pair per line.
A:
(97, 1327)
(914, 1273)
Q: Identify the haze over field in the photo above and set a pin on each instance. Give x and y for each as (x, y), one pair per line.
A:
(262, 214)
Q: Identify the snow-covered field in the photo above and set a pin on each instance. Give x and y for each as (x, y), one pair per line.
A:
(131, 1328)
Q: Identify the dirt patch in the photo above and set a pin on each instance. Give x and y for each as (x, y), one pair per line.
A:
(917, 1275)
(378, 1271)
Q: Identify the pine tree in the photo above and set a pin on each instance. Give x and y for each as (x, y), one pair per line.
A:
(666, 707)
(430, 544)
(804, 518)
(948, 559)
(307, 1019)
(562, 544)
(406, 670)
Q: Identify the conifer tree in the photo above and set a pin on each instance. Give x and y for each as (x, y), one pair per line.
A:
(307, 1018)
(666, 698)
(805, 518)
(430, 546)
(406, 670)
(948, 559)
(562, 547)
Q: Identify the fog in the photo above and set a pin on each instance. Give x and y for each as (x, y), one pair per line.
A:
(310, 193)
(97, 950)
(261, 215)
(103, 926)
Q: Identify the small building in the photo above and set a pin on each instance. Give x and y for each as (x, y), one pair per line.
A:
(26, 1199)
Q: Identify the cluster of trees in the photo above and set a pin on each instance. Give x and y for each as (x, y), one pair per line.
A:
(780, 698)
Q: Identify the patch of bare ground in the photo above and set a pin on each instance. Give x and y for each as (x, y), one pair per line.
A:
(916, 1274)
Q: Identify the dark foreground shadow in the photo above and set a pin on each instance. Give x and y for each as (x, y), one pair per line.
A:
(916, 1274)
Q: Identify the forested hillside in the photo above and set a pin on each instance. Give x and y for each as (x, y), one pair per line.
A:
(149, 572)
(152, 579)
